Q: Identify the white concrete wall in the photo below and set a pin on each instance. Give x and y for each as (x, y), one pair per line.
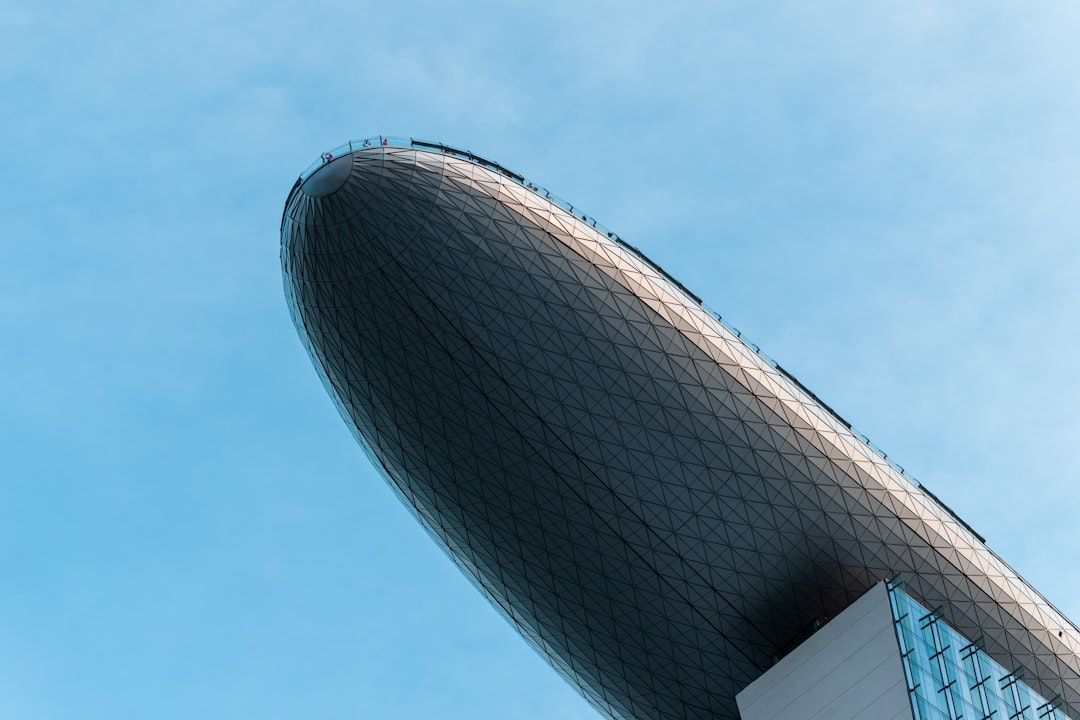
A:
(848, 670)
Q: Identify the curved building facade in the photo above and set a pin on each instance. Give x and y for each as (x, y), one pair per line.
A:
(658, 509)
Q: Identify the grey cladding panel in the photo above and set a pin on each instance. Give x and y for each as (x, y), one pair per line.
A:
(656, 509)
(849, 670)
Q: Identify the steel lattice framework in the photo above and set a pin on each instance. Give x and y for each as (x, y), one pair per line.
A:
(659, 510)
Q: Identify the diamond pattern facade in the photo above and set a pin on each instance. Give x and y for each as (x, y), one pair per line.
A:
(659, 510)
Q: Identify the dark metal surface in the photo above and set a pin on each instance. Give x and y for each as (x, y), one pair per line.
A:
(657, 509)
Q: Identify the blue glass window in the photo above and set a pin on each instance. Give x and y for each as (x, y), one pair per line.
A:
(950, 678)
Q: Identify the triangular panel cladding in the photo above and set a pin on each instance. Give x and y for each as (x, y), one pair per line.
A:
(656, 508)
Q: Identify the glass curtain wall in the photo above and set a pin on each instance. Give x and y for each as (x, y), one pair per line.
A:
(951, 678)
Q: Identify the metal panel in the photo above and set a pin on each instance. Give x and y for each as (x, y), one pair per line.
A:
(849, 670)
(659, 510)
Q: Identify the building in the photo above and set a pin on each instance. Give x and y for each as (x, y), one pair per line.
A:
(663, 512)
(886, 657)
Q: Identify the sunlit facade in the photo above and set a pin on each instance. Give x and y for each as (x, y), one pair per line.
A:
(661, 511)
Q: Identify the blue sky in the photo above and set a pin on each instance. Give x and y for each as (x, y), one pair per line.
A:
(883, 196)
